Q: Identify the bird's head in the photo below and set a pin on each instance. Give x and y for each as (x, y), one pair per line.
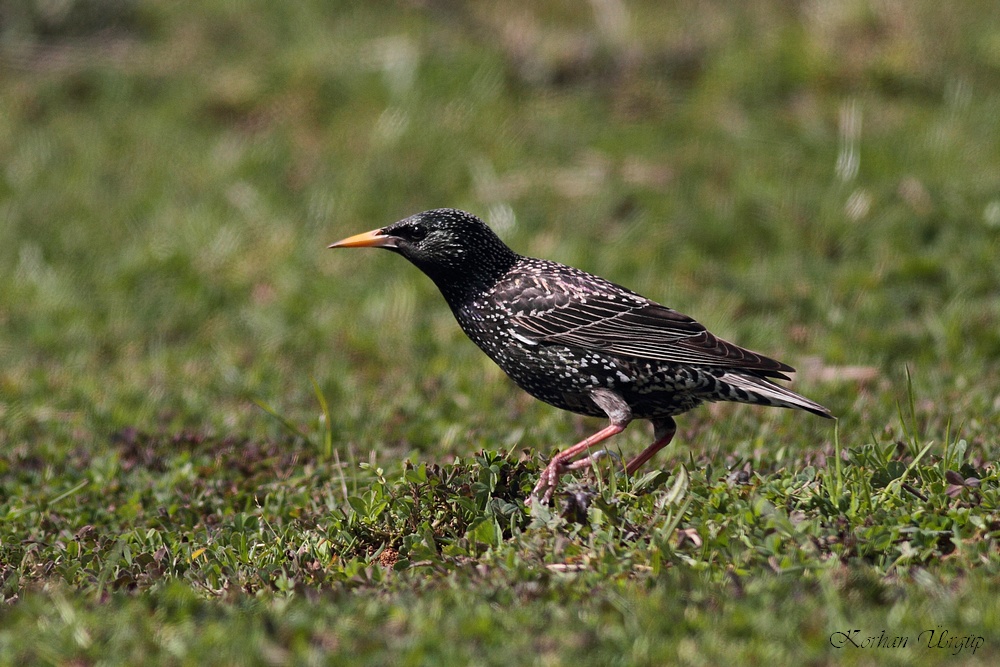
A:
(454, 248)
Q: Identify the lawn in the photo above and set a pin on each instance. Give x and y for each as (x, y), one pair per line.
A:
(222, 443)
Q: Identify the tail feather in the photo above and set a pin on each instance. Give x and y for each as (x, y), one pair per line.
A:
(764, 392)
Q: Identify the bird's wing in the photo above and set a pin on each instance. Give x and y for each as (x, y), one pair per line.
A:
(615, 320)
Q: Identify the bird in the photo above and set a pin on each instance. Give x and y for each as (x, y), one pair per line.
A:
(577, 341)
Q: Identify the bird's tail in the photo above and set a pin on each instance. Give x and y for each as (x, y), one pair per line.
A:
(761, 391)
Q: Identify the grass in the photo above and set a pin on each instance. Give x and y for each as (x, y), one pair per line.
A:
(220, 443)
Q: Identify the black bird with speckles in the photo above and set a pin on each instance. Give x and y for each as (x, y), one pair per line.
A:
(578, 341)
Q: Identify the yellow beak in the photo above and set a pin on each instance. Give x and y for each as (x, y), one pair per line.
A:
(373, 239)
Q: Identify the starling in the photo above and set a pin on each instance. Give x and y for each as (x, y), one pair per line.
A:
(578, 341)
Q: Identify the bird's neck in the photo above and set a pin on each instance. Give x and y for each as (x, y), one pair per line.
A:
(461, 286)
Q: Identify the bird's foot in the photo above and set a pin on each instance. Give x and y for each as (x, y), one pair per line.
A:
(547, 482)
(549, 478)
(559, 464)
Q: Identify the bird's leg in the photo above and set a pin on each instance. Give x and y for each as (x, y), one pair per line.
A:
(663, 433)
(663, 430)
(588, 461)
(558, 465)
(620, 415)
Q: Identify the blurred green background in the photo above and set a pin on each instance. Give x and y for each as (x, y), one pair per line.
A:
(819, 181)
(809, 179)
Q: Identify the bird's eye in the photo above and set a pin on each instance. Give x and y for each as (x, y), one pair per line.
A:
(417, 233)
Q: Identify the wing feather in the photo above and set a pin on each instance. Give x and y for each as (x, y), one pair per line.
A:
(606, 317)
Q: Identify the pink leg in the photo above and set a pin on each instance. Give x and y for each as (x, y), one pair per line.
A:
(665, 431)
(550, 476)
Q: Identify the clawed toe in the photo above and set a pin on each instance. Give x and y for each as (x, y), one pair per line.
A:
(549, 478)
(547, 482)
(557, 466)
